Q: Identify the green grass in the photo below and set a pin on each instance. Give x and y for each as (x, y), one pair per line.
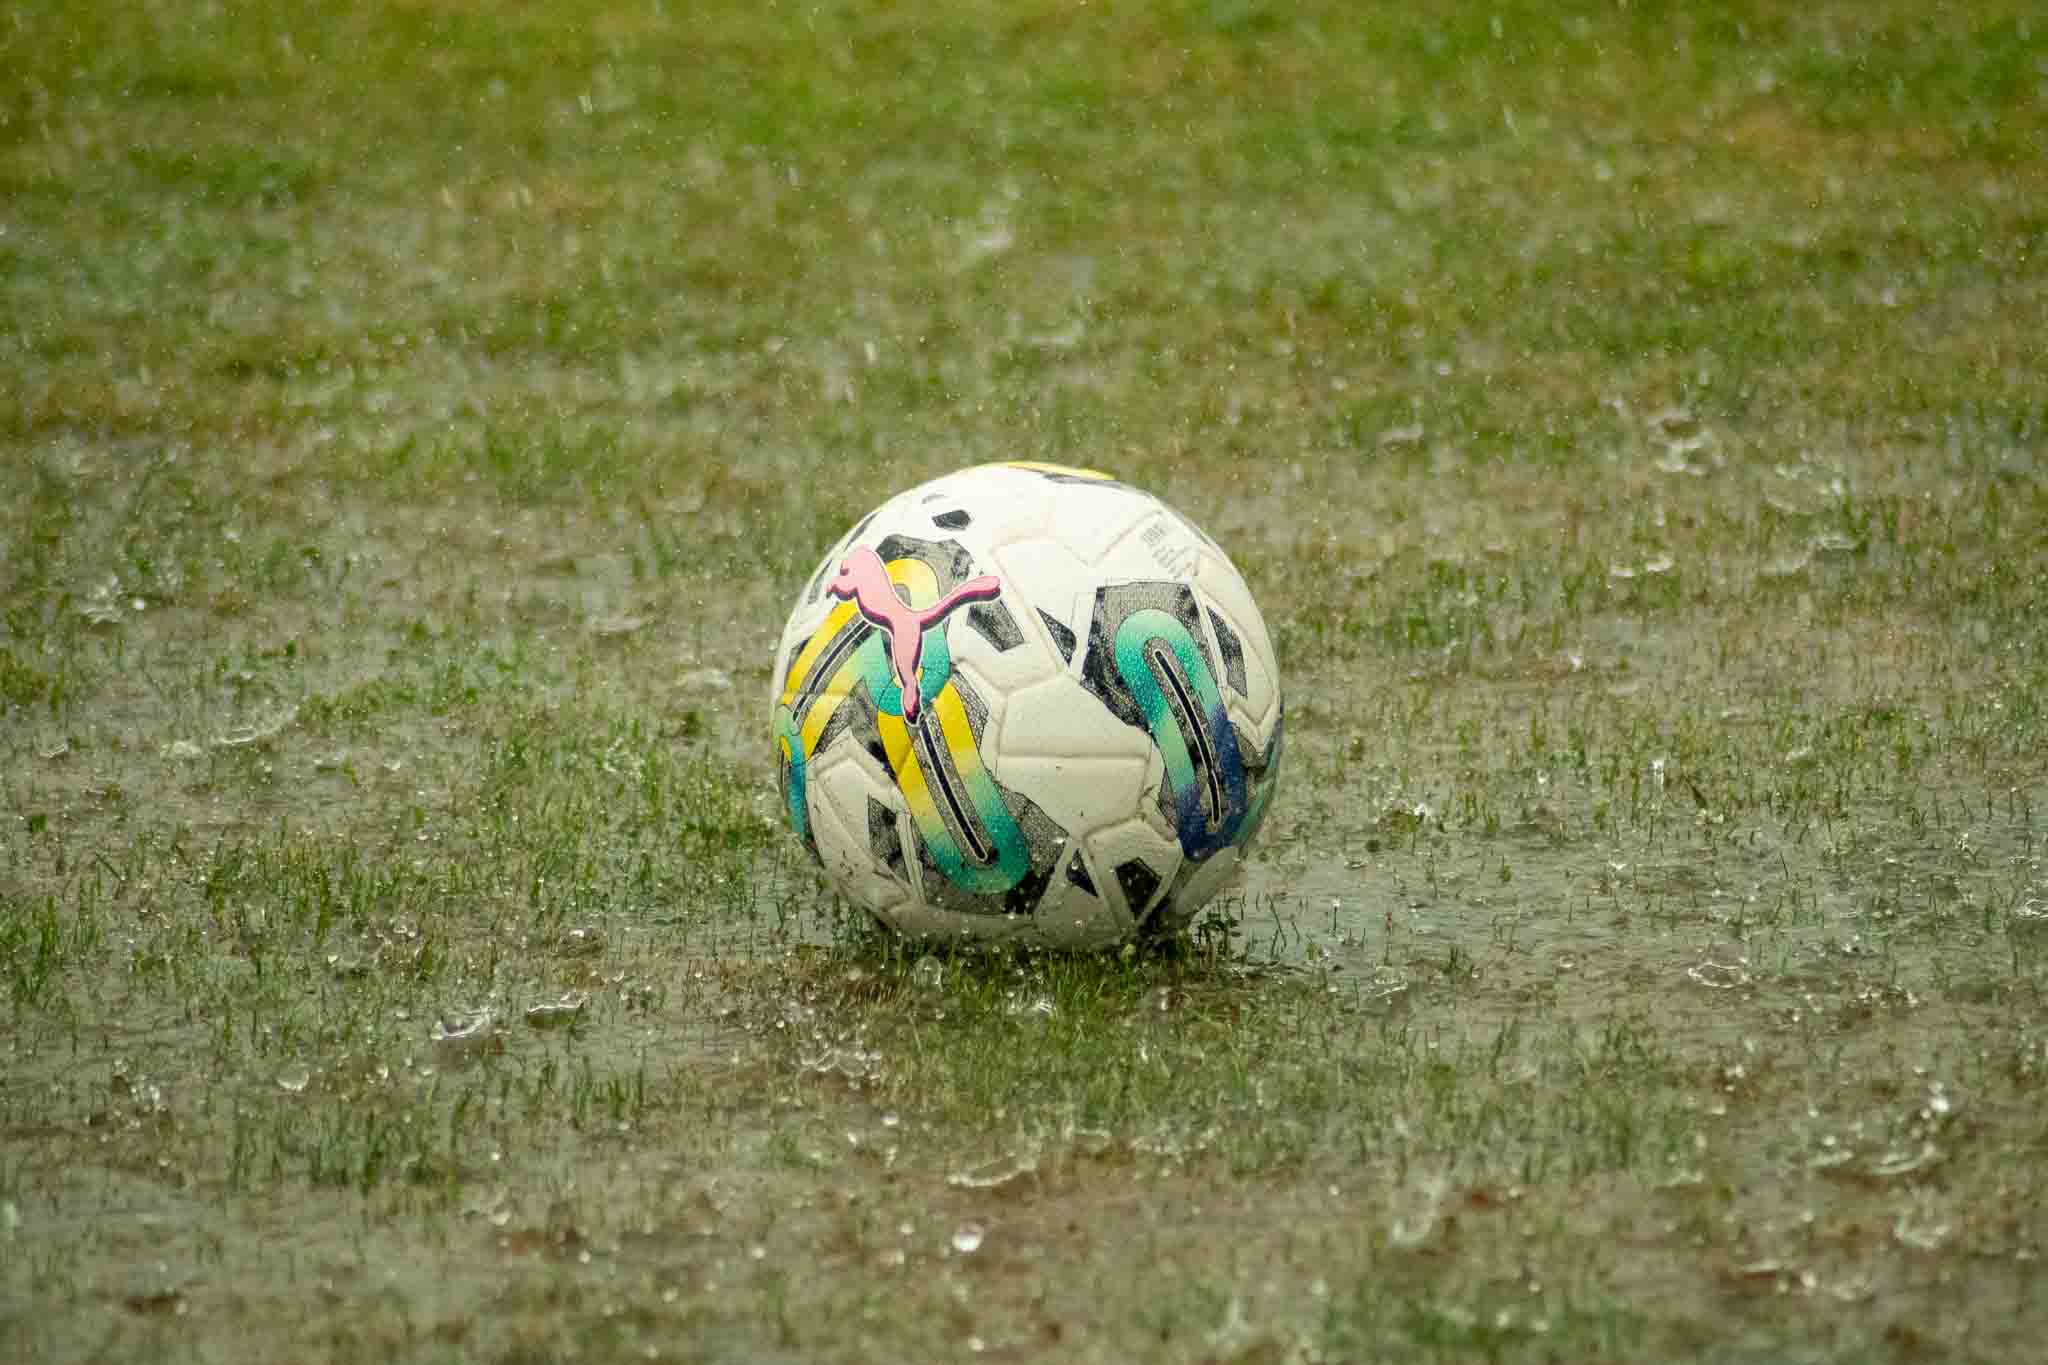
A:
(416, 419)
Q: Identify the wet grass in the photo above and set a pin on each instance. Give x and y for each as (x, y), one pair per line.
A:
(413, 423)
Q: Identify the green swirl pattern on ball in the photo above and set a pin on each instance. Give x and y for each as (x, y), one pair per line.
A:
(1204, 771)
(976, 803)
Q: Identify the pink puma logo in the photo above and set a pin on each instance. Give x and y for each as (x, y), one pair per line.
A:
(864, 579)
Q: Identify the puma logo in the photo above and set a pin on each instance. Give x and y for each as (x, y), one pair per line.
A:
(864, 579)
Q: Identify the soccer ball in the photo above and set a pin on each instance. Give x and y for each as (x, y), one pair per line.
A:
(1024, 702)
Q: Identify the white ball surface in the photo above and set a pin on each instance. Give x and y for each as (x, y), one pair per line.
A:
(1024, 702)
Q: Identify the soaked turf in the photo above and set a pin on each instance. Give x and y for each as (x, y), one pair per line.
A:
(416, 421)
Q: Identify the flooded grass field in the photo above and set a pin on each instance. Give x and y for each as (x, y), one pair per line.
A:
(416, 420)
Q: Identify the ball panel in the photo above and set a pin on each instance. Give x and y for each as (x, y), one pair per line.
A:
(1059, 718)
(1057, 584)
(1075, 913)
(1156, 544)
(1135, 864)
(1194, 888)
(998, 675)
(999, 503)
(914, 919)
(1082, 793)
(1094, 525)
(840, 793)
(1233, 603)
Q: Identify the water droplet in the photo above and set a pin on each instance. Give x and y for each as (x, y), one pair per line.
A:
(1921, 1227)
(293, 1079)
(705, 680)
(1005, 1174)
(993, 241)
(967, 1238)
(929, 974)
(461, 1031)
(1896, 1164)
(850, 1060)
(1061, 339)
(1389, 986)
(1673, 421)
(1673, 461)
(1033, 1006)
(259, 731)
(1787, 566)
(1089, 1141)
(1417, 1210)
(557, 1013)
(1718, 976)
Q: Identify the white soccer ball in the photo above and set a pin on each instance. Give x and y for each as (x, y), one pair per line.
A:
(1026, 702)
